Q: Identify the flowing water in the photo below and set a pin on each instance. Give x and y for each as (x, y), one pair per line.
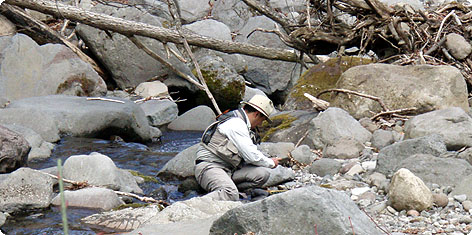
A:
(146, 159)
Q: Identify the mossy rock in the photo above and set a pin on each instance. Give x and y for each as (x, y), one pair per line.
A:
(319, 78)
(225, 84)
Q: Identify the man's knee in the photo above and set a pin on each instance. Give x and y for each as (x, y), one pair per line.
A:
(262, 176)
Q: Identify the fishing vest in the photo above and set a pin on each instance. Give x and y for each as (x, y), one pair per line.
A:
(217, 143)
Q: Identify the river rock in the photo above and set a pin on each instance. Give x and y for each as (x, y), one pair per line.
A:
(289, 126)
(193, 10)
(390, 156)
(7, 28)
(114, 50)
(196, 119)
(160, 112)
(30, 70)
(333, 124)
(437, 170)
(40, 149)
(77, 116)
(343, 148)
(14, 150)
(424, 87)
(98, 169)
(408, 192)
(272, 77)
(458, 46)
(453, 124)
(151, 89)
(25, 189)
(182, 165)
(440, 199)
(327, 210)
(232, 13)
(279, 149)
(303, 154)
(123, 220)
(325, 166)
(382, 138)
(98, 198)
(210, 28)
(463, 187)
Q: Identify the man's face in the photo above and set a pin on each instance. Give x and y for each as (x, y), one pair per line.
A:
(259, 119)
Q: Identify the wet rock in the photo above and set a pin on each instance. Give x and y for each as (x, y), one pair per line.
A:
(280, 213)
(196, 119)
(98, 198)
(14, 150)
(98, 169)
(407, 192)
(324, 167)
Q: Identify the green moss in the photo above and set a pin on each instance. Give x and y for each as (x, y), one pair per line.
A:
(146, 178)
(279, 122)
(227, 95)
(324, 76)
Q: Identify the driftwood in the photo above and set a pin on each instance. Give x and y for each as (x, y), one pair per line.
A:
(127, 27)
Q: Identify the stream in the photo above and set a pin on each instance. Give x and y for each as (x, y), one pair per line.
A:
(146, 159)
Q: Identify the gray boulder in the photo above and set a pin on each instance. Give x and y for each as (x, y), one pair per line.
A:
(77, 116)
(382, 138)
(14, 150)
(98, 198)
(182, 164)
(436, 170)
(40, 149)
(463, 187)
(196, 119)
(390, 157)
(333, 124)
(297, 211)
(193, 10)
(99, 170)
(30, 70)
(279, 149)
(210, 28)
(114, 49)
(25, 189)
(424, 87)
(343, 148)
(233, 13)
(290, 126)
(325, 166)
(303, 154)
(453, 124)
(160, 112)
(267, 75)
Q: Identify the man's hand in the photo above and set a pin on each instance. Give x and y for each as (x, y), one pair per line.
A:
(276, 161)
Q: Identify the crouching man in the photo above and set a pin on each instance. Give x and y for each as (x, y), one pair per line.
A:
(227, 159)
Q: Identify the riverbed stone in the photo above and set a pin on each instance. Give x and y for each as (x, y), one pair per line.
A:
(453, 124)
(325, 166)
(343, 148)
(14, 150)
(328, 210)
(40, 149)
(276, 149)
(7, 28)
(333, 124)
(80, 117)
(382, 138)
(210, 28)
(303, 154)
(99, 170)
(95, 197)
(196, 119)
(425, 87)
(151, 89)
(182, 165)
(408, 192)
(25, 189)
(160, 112)
(390, 157)
(30, 70)
(458, 46)
(233, 13)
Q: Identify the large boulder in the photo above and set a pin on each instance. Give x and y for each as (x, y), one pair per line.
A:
(233, 13)
(78, 116)
(160, 112)
(14, 150)
(40, 149)
(453, 124)
(94, 197)
(267, 75)
(193, 10)
(25, 189)
(390, 157)
(333, 124)
(297, 211)
(181, 165)
(114, 49)
(319, 78)
(31, 70)
(424, 87)
(288, 126)
(99, 170)
(196, 119)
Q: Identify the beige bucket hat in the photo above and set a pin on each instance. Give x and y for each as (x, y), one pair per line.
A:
(262, 104)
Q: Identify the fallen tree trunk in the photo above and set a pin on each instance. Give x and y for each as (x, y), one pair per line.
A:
(130, 28)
